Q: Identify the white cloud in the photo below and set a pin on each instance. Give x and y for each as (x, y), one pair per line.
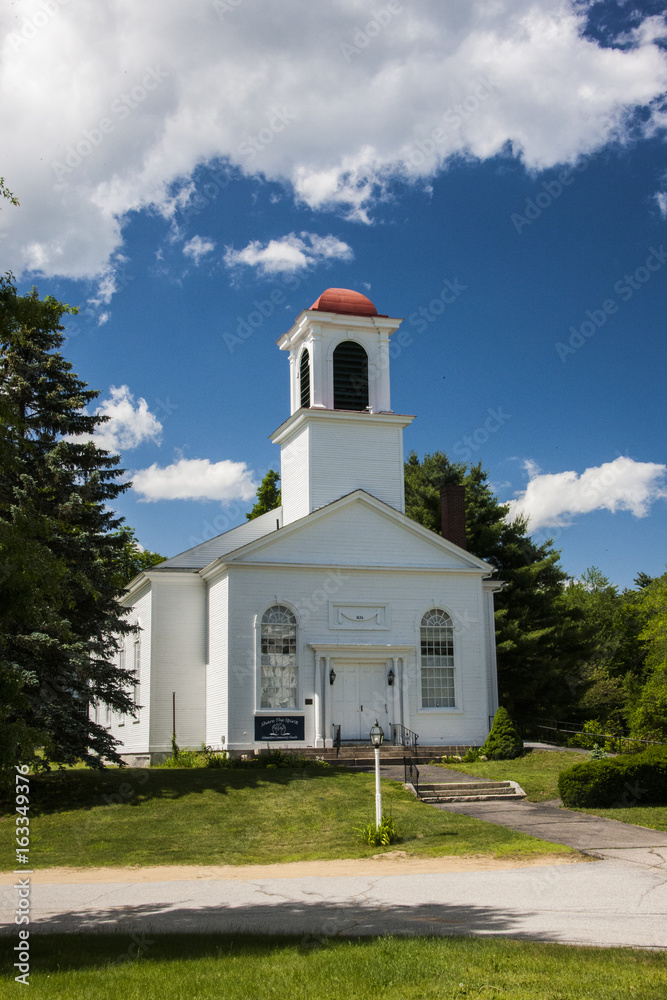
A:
(196, 248)
(106, 289)
(124, 104)
(553, 500)
(196, 479)
(289, 253)
(130, 422)
(661, 198)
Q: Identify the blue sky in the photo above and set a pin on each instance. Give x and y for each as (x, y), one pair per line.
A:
(492, 172)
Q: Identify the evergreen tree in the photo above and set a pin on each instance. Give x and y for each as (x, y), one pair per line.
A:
(539, 642)
(503, 742)
(268, 495)
(60, 616)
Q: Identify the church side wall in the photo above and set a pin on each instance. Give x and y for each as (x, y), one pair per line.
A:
(179, 661)
(492, 666)
(216, 667)
(407, 594)
(134, 733)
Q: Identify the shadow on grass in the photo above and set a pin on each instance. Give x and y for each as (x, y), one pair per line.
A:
(61, 791)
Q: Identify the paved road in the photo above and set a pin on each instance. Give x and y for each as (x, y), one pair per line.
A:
(609, 902)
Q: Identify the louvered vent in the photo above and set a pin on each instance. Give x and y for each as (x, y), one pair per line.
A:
(350, 376)
(304, 377)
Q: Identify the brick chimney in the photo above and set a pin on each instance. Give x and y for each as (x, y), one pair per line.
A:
(453, 514)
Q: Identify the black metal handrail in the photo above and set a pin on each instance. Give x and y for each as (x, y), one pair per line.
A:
(411, 773)
(336, 738)
(575, 729)
(403, 736)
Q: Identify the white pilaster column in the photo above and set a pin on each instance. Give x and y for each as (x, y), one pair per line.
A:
(381, 394)
(396, 691)
(293, 396)
(317, 701)
(405, 694)
(318, 370)
(328, 737)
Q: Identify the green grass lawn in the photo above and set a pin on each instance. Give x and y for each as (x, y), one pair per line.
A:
(655, 817)
(232, 816)
(537, 772)
(194, 967)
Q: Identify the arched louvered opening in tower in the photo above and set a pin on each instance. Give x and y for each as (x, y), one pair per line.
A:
(304, 377)
(350, 376)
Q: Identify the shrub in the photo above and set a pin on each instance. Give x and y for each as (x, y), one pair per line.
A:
(205, 757)
(271, 758)
(607, 736)
(619, 781)
(503, 742)
(379, 836)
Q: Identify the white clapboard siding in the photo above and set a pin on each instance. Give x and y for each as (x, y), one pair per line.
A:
(217, 730)
(179, 660)
(323, 460)
(357, 534)
(135, 734)
(295, 476)
(409, 594)
(347, 457)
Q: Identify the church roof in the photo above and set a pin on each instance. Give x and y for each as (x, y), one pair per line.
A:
(206, 552)
(346, 301)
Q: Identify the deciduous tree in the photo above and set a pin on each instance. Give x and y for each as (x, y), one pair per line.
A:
(268, 495)
(538, 641)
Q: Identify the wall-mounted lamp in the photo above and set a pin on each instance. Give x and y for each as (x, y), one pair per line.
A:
(332, 676)
(390, 676)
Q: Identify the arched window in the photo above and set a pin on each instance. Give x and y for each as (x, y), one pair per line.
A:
(437, 660)
(350, 376)
(304, 377)
(278, 658)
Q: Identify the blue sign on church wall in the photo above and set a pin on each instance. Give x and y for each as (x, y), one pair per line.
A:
(279, 727)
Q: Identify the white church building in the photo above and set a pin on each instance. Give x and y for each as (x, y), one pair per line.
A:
(331, 611)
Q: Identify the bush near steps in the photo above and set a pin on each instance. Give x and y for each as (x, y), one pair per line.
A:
(627, 780)
(503, 742)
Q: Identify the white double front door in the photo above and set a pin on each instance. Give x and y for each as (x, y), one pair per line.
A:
(361, 694)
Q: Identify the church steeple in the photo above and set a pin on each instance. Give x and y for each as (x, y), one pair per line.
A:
(342, 434)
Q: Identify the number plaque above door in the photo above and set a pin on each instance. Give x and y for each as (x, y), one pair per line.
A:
(362, 616)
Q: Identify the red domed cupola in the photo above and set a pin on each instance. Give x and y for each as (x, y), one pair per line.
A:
(345, 301)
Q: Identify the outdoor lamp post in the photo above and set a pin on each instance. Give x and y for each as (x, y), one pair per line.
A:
(377, 735)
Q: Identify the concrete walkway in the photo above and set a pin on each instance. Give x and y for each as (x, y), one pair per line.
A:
(593, 835)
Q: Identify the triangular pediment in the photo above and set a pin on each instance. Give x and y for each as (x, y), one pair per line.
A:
(357, 530)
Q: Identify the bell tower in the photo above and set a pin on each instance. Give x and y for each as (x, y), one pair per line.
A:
(342, 434)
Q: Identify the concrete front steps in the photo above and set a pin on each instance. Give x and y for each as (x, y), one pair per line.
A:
(468, 791)
(362, 755)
